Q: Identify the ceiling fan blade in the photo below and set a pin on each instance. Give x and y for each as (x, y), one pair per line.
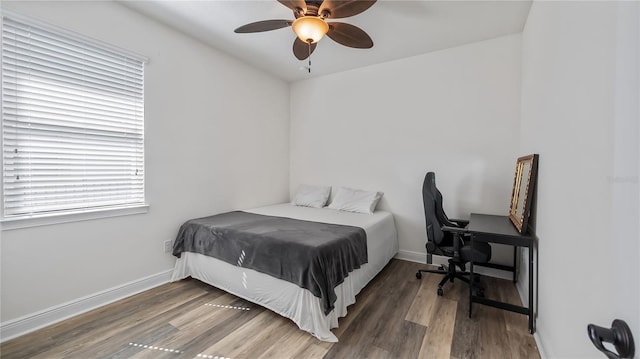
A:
(301, 49)
(345, 8)
(349, 35)
(265, 25)
(294, 4)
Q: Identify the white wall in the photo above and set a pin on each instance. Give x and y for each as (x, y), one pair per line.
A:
(455, 112)
(580, 113)
(216, 140)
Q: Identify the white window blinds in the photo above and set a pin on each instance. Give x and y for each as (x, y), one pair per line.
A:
(72, 123)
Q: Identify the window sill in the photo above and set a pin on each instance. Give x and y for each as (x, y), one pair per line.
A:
(7, 224)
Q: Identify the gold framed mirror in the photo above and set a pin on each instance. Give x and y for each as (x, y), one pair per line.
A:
(523, 186)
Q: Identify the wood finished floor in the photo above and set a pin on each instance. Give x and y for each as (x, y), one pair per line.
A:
(395, 316)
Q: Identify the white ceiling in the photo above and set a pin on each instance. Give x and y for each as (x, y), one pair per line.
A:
(399, 29)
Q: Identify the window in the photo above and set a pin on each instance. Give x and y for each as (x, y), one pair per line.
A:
(72, 123)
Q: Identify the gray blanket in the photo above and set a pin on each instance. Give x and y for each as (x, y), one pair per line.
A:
(315, 256)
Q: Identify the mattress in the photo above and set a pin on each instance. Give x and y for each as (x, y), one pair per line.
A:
(288, 299)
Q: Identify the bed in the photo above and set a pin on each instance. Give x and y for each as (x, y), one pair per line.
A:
(289, 299)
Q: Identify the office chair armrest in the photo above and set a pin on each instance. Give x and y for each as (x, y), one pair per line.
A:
(458, 241)
(460, 222)
(454, 229)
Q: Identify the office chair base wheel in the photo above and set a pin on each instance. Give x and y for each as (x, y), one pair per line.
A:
(419, 275)
(440, 292)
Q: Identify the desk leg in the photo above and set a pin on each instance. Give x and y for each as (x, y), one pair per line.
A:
(531, 306)
(515, 264)
(471, 279)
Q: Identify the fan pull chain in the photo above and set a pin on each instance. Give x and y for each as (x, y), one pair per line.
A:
(309, 68)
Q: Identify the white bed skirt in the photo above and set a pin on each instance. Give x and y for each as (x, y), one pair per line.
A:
(285, 298)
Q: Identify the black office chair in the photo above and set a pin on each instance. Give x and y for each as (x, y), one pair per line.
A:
(446, 237)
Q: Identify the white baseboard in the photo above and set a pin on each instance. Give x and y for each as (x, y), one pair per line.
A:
(411, 256)
(543, 354)
(29, 323)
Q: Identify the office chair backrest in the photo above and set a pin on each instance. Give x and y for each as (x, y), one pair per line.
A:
(434, 232)
(442, 217)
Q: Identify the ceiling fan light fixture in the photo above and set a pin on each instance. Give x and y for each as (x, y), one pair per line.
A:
(310, 28)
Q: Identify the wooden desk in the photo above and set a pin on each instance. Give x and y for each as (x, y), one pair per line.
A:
(499, 229)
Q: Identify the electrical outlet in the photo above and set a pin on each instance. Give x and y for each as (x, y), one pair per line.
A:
(168, 246)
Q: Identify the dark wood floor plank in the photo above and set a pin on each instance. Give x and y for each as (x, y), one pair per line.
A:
(292, 342)
(365, 298)
(395, 316)
(216, 331)
(400, 336)
(92, 328)
(239, 340)
(313, 351)
(136, 329)
(384, 320)
(130, 349)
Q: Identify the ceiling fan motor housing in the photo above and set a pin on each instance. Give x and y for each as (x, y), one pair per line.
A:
(310, 26)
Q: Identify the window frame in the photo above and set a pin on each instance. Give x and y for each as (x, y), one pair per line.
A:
(79, 214)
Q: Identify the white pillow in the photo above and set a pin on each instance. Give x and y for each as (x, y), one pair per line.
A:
(312, 196)
(355, 200)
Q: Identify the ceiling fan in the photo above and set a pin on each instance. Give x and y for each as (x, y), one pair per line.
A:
(310, 25)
